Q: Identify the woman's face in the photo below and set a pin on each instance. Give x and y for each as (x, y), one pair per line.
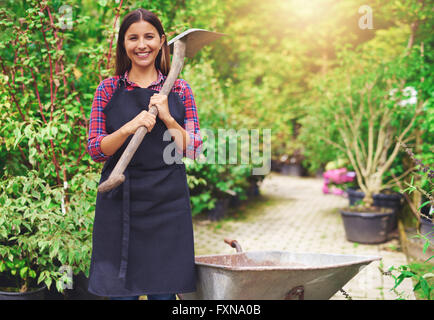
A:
(142, 44)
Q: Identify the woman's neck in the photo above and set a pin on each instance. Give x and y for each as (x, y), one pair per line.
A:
(143, 77)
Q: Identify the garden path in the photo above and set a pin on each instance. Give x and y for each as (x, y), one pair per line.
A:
(292, 214)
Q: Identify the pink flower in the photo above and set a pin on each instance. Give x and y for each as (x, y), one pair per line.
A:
(338, 176)
(338, 191)
(350, 176)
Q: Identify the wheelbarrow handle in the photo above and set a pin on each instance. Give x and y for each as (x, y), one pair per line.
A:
(233, 244)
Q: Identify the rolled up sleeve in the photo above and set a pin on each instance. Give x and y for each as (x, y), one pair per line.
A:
(191, 123)
(97, 130)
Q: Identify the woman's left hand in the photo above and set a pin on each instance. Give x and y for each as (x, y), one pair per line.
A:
(160, 100)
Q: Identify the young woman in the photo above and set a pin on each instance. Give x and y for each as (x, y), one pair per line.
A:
(143, 234)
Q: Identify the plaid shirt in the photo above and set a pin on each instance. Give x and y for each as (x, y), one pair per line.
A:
(104, 92)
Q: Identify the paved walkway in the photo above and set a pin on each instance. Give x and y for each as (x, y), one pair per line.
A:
(292, 214)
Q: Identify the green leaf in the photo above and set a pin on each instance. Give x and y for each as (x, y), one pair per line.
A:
(17, 134)
(41, 277)
(424, 204)
(48, 282)
(407, 274)
(23, 272)
(32, 154)
(429, 258)
(28, 131)
(32, 274)
(426, 246)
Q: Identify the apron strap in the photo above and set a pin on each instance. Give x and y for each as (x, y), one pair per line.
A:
(125, 226)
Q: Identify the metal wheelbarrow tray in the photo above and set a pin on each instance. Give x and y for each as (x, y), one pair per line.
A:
(273, 275)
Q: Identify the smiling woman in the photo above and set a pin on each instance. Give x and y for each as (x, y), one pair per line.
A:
(143, 232)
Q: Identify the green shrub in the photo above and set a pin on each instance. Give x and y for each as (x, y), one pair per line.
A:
(40, 231)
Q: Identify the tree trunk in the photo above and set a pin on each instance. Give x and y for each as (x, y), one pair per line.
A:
(368, 200)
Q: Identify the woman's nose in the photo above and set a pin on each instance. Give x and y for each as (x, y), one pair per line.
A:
(142, 43)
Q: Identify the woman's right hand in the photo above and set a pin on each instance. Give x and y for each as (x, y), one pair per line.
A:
(144, 118)
(111, 143)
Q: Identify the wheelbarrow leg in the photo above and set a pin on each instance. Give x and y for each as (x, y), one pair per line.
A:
(296, 291)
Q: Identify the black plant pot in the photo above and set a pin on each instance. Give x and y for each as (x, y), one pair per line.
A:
(393, 201)
(276, 165)
(367, 227)
(33, 294)
(6, 280)
(295, 170)
(36, 292)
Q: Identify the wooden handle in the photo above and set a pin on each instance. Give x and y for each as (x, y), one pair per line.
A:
(115, 177)
(111, 183)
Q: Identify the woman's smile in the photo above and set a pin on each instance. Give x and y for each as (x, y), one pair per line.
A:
(143, 55)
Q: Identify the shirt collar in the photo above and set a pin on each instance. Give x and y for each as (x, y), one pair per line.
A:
(160, 79)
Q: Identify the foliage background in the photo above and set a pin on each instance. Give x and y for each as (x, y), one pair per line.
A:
(266, 73)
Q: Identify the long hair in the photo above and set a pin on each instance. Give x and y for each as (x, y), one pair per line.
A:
(123, 63)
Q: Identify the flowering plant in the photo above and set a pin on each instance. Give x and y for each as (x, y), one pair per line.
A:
(337, 180)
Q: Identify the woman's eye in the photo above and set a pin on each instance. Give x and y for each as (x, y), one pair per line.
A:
(147, 37)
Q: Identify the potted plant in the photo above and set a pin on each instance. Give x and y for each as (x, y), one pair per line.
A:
(368, 124)
(40, 239)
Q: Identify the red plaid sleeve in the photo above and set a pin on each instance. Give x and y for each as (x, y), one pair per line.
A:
(97, 130)
(191, 121)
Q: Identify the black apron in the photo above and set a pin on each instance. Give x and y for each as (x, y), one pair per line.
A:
(143, 233)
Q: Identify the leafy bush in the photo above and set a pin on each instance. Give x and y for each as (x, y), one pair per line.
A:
(47, 182)
(39, 232)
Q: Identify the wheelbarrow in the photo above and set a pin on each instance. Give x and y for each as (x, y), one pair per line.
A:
(273, 275)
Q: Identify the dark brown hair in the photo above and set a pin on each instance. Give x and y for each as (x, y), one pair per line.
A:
(123, 63)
